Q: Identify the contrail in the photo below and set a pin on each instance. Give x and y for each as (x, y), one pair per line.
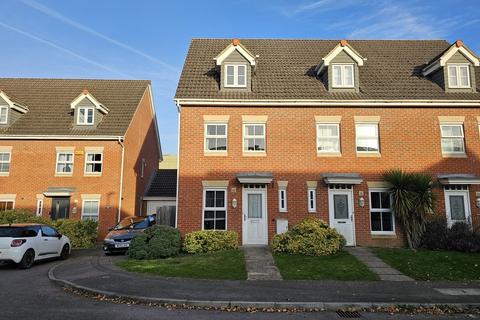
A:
(53, 45)
(57, 15)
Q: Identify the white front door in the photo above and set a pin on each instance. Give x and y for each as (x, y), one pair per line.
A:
(254, 217)
(457, 206)
(341, 214)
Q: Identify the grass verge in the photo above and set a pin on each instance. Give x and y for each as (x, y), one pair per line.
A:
(226, 265)
(432, 265)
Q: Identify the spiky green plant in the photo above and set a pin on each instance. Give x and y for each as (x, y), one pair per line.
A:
(413, 202)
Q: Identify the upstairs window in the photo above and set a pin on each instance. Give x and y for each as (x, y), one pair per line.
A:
(216, 137)
(64, 163)
(235, 75)
(452, 138)
(93, 163)
(85, 116)
(328, 138)
(254, 137)
(367, 137)
(342, 75)
(3, 114)
(458, 76)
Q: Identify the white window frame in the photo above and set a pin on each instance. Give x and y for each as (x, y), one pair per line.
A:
(312, 200)
(89, 216)
(39, 210)
(65, 162)
(87, 162)
(442, 137)
(343, 67)
(377, 135)
(6, 173)
(207, 136)
(337, 125)
(381, 210)
(12, 200)
(457, 68)
(85, 118)
(235, 76)
(246, 136)
(224, 208)
(6, 114)
(282, 199)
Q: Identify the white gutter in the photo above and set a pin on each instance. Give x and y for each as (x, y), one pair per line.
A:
(120, 193)
(321, 103)
(178, 163)
(55, 137)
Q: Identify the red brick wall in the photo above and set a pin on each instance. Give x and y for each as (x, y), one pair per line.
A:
(409, 139)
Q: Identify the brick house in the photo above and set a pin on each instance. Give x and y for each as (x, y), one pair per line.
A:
(77, 148)
(272, 131)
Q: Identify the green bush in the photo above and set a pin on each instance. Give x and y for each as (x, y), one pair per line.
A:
(311, 237)
(210, 241)
(82, 233)
(156, 242)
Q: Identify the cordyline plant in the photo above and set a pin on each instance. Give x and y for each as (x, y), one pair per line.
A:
(412, 202)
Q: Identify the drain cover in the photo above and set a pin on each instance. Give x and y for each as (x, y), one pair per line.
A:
(349, 314)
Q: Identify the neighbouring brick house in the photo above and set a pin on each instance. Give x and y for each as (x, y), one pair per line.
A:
(272, 131)
(77, 148)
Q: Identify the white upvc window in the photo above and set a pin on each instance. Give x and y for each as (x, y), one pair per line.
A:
(64, 162)
(3, 114)
(282, 199)
(382, 220)
(458, 76)
(453, 140)
(214, 209)
(367, 137)
(5, 159)
(39, 210)
(235, 75)
(343, 76)
(254, 137)
(328, 137)
(312, 200)
(216, 137)
(90, 209)
(93, 163)
(86, 116)
(7, 204)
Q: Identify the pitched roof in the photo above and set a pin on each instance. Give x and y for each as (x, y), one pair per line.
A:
(164, 184)
(48, 102)
(285, 70)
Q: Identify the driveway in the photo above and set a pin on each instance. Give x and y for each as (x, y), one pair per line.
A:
(28, 294)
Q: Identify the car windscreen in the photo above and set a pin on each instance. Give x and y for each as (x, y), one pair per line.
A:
(141, 225)
(130, 224)
(18, 232)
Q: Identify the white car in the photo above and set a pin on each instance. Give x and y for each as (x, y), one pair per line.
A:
(26, 243)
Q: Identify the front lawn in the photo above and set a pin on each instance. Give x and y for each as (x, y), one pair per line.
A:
(340, 266)
(227, 265)
(433, 265)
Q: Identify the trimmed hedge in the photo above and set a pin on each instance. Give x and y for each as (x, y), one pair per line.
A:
(210, 241)
(311, 237)
(155, 242)
(82, 233)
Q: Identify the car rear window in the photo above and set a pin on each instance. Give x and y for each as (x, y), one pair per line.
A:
(18, 232)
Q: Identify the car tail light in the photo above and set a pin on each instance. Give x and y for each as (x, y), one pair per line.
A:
(17, 242)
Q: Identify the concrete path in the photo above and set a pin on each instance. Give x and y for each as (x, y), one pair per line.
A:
(260, 263)
(376, 265)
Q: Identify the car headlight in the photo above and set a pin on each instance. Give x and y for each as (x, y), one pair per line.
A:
(108, 240)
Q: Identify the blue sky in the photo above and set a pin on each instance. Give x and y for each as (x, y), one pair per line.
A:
(140, 39)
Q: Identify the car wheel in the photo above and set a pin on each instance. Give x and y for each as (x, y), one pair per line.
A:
(65, 252)
(27, 259)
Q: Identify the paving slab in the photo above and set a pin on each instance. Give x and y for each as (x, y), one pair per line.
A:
(260, 264)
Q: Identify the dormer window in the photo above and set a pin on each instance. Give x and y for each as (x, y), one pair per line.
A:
(3, 114)
(236, 75)
(343, 76)
(85, 116)
(458, 76)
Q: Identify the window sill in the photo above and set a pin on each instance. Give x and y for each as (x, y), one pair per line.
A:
(4, 174)
(63, 174)
(383, 235)
(329, 154)
(215, 154)
(454, 155)
(92, 175)
(368, 154)
(254, 154)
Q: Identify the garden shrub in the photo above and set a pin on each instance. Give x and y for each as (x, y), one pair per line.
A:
(459, 237)
(155, 242)
(82, 233)
(210, 241)
(310, 237)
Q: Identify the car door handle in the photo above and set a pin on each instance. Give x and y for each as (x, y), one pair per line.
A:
(45, 239)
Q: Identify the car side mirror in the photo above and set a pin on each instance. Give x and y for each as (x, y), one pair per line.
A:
(59, 236)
